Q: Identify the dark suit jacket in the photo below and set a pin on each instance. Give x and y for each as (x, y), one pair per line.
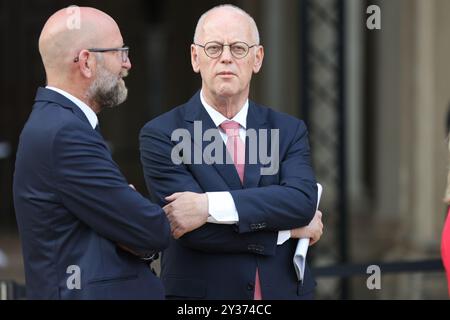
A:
(73, 206)
(219, 261)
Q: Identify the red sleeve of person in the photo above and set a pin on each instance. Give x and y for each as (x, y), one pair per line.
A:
(445, 243)
(445, 249)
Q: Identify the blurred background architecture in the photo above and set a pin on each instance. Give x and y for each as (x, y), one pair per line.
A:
(375, 102)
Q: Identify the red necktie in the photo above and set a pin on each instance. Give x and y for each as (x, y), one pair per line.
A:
(236, 148)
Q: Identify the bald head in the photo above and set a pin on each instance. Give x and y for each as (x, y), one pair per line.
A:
(223, 11)
(70, 30)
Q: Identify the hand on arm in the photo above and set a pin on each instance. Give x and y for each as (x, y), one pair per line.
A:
(313, 231)
(186, 212)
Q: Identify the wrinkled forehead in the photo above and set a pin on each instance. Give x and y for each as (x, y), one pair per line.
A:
(227, 28)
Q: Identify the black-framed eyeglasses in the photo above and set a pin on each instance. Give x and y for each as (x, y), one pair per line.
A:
(214, 49)
(124, 51)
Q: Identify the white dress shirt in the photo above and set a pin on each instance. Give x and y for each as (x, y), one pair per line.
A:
(89, 113)
(222, 209)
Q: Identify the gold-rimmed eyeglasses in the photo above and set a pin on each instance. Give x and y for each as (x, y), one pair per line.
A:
(214, 49)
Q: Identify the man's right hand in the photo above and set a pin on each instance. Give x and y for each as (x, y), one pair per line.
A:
(313, 231)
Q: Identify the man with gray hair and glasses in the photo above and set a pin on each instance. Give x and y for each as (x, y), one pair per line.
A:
(235, 223)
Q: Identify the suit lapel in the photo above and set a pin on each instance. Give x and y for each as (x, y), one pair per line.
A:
(256, 120)
(196, 112)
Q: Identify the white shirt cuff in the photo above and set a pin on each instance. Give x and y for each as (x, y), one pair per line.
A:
(222, 209)
(283, 236)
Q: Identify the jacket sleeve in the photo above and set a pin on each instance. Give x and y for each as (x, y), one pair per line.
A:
(93, 189)
(164, 178)
(290, 204)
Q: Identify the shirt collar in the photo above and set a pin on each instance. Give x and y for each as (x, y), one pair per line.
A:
(88, 112)
(219, 118)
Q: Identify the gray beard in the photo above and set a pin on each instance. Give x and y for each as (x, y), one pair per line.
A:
(107, 91)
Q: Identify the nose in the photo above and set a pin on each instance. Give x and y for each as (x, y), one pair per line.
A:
(127, 64)
(226, 56)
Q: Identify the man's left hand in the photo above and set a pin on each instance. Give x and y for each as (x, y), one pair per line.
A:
(186, 211)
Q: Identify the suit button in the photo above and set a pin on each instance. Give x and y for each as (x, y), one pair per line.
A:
(250, 286)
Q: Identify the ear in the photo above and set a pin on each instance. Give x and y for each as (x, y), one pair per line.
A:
(258, 59)
(86, 64)
(195, 59)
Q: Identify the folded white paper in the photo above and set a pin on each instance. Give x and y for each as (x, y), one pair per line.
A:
(303, 245)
